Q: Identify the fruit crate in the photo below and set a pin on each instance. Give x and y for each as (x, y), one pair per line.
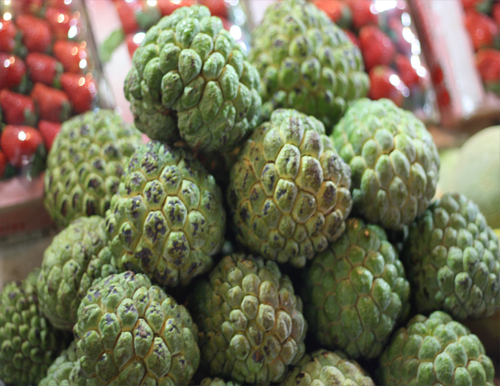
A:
(54, 88)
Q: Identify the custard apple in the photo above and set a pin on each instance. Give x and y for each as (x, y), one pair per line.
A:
(167, 219)
(394, 162)
(132, 333)
(251, 323)
(355, 291)
(326, 368)
(85, 164)
(28, 342)
(306, 62)
(77, 256)
(289, 189)
(453, 260)
(191, 80)
(65, 371)
(217, 382)
(435, 351)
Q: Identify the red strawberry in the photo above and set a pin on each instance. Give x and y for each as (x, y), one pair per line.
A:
(59, 20)
(19, 143)
(488, 65)
(8, 33)
(361, 13)
(63, 5)
(336, 10)
(407, 73)
(36, 33)
(126, 13)
(168, 6)
(18, 109)
(385, 83)
(495, 12)
(32, 7)
(12, 71)
(43, 68)
(49, 132)
(216, 7)
(137, 15)
(80, 89)
(70, 54)
(3, 163)
(132, 43)
(376, 46)
(352, 37)
(482, 29)
(53, 105)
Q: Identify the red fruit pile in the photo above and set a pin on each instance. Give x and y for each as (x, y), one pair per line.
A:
(45, 78)
(482, 21)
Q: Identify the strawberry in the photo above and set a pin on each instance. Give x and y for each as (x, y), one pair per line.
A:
(36, 33)
(53, 105)
(361, 13)
(407, 73)
(63, 5)
(337, 11)
(136, 15)
(385, 83)
(132, 44)
(18, 109)
(216, 7)
(168, 6)
(482, 29)
(70, 54)
(44, 69)
(59, 21)
(3, 163)
(49, 131)
(32, 7)
(495, 12)
(352, 37)
(8, 34)
(12, 72)
(376, 47)
(488, 65)
(80, 89)
(19, 143)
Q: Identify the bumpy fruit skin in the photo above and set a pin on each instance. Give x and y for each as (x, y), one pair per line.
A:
(393, 159)
(289, 189)
(250, 320)
(217, 382)
(453, 260)
(65, 371)
(77, 256)
(28, 342)
(85, 164)
(190, 79)
(326, 368)
(167, 219)
(306, 62)
(356, 291)
(435, 351)
(130, 332)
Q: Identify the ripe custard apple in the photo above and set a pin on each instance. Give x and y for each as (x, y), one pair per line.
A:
(217, 382)
(393, 159)
(289, 189)
(77, 256)
(65, 371)
(453, 260)
(130, 332)
(191, 80)
(435, 351)
(306, 62)
(250, 320)
(326, 368)
(356, 291)
(167, 219)
(28, 342)
(85, 164)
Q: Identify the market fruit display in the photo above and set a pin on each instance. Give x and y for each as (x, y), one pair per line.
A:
(453, 259)
(85, 165)
(190, 80)
(393, 160)
(435, 350)
(65, 371)
(77, 256)
(306, 62)
(130, 332)
(289, 189)
(28, 342)
(250, 320)
(356, 291)
(167, 219)
(327, 368)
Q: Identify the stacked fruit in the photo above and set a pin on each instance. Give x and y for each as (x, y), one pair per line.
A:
(333, 249)
(482, 21)
(45, 78)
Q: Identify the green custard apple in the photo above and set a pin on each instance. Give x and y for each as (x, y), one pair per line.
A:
(65, 371)
(217, 382)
